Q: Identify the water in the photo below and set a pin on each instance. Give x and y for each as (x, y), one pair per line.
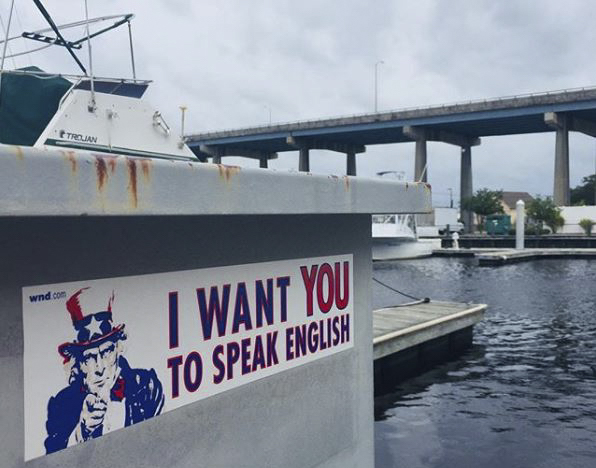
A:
(524, 395)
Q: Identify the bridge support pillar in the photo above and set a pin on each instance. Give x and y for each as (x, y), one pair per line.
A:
(351, 163)
(217, 152)
(561, 191)
(562, 123)
(466, 188)
(304, 161)
(304, 145)
(423, 134)
(420, 164)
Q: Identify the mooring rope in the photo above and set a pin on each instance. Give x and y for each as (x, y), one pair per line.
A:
(417, 300)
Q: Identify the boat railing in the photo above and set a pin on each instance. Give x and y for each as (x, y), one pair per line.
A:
(66, 94)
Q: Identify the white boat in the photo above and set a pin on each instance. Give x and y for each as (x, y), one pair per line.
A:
(394, 236)
(82, 112)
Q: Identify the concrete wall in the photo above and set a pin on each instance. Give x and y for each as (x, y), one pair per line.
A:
(319, 414)
(573, 215)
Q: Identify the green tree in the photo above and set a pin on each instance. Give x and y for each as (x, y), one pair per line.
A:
(544, 211)
(484, 202)
(583, 194)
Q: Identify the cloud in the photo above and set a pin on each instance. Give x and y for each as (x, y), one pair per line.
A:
(235, 62)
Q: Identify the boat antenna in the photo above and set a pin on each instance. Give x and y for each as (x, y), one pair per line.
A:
(182, 141)
(132, 52)
(59, 37)
(5, 42)
(91, 107)
(6, 38)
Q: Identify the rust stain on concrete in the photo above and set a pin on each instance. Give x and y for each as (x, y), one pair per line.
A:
(112, 163)
(20, 153)
(146, 169)
(102, 172)
(72, 159)
(132, 181)
(226, 172)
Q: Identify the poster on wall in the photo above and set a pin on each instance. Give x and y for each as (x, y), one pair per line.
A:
(104, 354)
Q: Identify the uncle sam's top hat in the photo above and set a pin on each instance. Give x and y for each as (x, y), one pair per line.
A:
(93, 326)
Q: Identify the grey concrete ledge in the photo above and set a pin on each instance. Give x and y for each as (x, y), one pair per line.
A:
(54, 183)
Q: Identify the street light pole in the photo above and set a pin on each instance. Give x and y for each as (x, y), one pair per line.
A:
(377, 84)
(269, 109)
(450, 197)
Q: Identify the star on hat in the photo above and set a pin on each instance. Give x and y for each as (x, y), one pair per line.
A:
(92, 329)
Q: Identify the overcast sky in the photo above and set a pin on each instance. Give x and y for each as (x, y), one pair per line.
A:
(235, 62)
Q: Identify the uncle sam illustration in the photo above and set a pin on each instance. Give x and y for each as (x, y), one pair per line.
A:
(103, 392)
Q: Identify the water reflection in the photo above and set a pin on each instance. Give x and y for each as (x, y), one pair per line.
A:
(523, 395)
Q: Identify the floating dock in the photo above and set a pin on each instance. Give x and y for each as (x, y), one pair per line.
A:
(506, 256)
(407, 339)
(514, 256)
(545, 241)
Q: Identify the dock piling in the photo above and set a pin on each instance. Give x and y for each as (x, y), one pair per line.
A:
(520, 215)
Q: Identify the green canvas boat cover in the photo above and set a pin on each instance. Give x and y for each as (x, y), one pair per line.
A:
(27, 104)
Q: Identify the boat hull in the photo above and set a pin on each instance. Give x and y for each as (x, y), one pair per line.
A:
(388, 249)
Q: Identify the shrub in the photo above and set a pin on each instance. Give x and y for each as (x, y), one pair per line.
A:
(556, 222)
(586, 224)
(534, 230)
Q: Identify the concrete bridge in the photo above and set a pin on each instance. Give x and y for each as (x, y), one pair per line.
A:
(461, 124)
